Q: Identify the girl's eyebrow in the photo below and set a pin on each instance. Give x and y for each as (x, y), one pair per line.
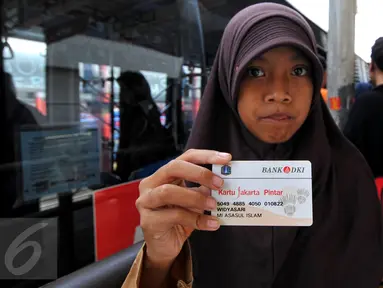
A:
(258, 58)
(298, 56)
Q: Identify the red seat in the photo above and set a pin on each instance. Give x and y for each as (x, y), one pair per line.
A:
(379, 186)
(115, 218)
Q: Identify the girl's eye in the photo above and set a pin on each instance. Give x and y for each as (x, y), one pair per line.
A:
(255, 72)
(300, 71)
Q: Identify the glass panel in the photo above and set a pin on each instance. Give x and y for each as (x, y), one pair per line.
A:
(96, 94)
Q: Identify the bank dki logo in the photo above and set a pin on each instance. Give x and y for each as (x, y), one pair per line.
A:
(287, 169)
(225, 170)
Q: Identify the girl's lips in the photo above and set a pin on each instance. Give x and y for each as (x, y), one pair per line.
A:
(278, 117)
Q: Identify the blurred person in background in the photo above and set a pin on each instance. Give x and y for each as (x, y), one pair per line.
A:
(364, 127)
(18, 115)
(143, 139)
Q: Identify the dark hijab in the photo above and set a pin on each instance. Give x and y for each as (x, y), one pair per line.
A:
(343, 248)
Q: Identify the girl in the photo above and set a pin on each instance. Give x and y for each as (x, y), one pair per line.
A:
(262, 102)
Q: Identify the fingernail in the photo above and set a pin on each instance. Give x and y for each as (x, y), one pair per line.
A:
(211, 203)
(223, 155)
(217, 181)
(214, 224)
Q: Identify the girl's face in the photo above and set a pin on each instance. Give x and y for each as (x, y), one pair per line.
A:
(275, 94)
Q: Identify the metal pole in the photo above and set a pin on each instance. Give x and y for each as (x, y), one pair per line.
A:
(341, 58)
(66, 247)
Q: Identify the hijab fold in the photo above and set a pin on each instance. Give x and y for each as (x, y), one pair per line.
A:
(284, 256)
